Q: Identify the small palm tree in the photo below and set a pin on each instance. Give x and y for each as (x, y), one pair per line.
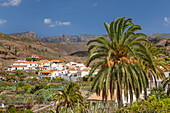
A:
(155, 57)
(151, 63)
(68, 96)
(116, 58)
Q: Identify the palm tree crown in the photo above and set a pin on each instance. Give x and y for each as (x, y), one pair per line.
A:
(119, 66)
(69, 95)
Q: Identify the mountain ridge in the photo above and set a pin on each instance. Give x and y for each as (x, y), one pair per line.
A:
(59, 38)
(159, 39)
(75, 38)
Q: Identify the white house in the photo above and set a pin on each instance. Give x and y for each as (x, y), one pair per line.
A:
(72, 69)
(50, 73)
(45, 63)
(85, 72)
(35, 56)
(70, 77)
(54, 66)
(42, 68)
(54, 61)
(17, 67)
(23, 65)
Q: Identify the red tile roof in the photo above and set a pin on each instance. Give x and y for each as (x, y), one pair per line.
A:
(45, 72)
(53, 70)
(86, 69)
(19, 61)
(41, 67)
(19, 65)
(72, 68)
(61, 63)
(99, 98)
(44, 61)
(35, 55)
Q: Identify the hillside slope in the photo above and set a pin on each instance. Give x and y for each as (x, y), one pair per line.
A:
(13, 48)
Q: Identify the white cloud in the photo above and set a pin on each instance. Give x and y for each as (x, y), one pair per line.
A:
(167, 20)
(2, 21)
(11, 2)
(95, 4)
(52, 25)
(47, 20)
(62, 23)
(57, 23)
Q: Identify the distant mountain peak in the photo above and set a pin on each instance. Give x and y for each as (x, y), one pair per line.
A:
(29, 34)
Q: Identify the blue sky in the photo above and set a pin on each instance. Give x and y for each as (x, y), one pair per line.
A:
(75, 17)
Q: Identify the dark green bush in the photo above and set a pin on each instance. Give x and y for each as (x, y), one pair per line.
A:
(11, 109)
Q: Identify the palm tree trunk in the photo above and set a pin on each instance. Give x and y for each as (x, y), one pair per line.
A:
(119, 97)
(168, 91)
(145, 93)
(57, 109)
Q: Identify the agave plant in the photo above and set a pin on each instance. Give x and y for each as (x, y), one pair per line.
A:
(116, 58)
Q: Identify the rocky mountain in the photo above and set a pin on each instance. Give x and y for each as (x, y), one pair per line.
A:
(67, 38)
(160, 42)
(60, 38)
(29, 34)
(159, 39)
(164, 35)
(78, 38)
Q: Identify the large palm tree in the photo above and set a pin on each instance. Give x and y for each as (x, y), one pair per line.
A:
(117, 61)
(68, 96)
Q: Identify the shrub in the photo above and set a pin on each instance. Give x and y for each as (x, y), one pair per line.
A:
(28, 111)
(11, 109)
(85, 78)
(28, 59)
(153, 105)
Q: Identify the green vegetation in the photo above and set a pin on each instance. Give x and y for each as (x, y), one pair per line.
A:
(152, 105)
(21, 87)
(11, 109)
(16, 50)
